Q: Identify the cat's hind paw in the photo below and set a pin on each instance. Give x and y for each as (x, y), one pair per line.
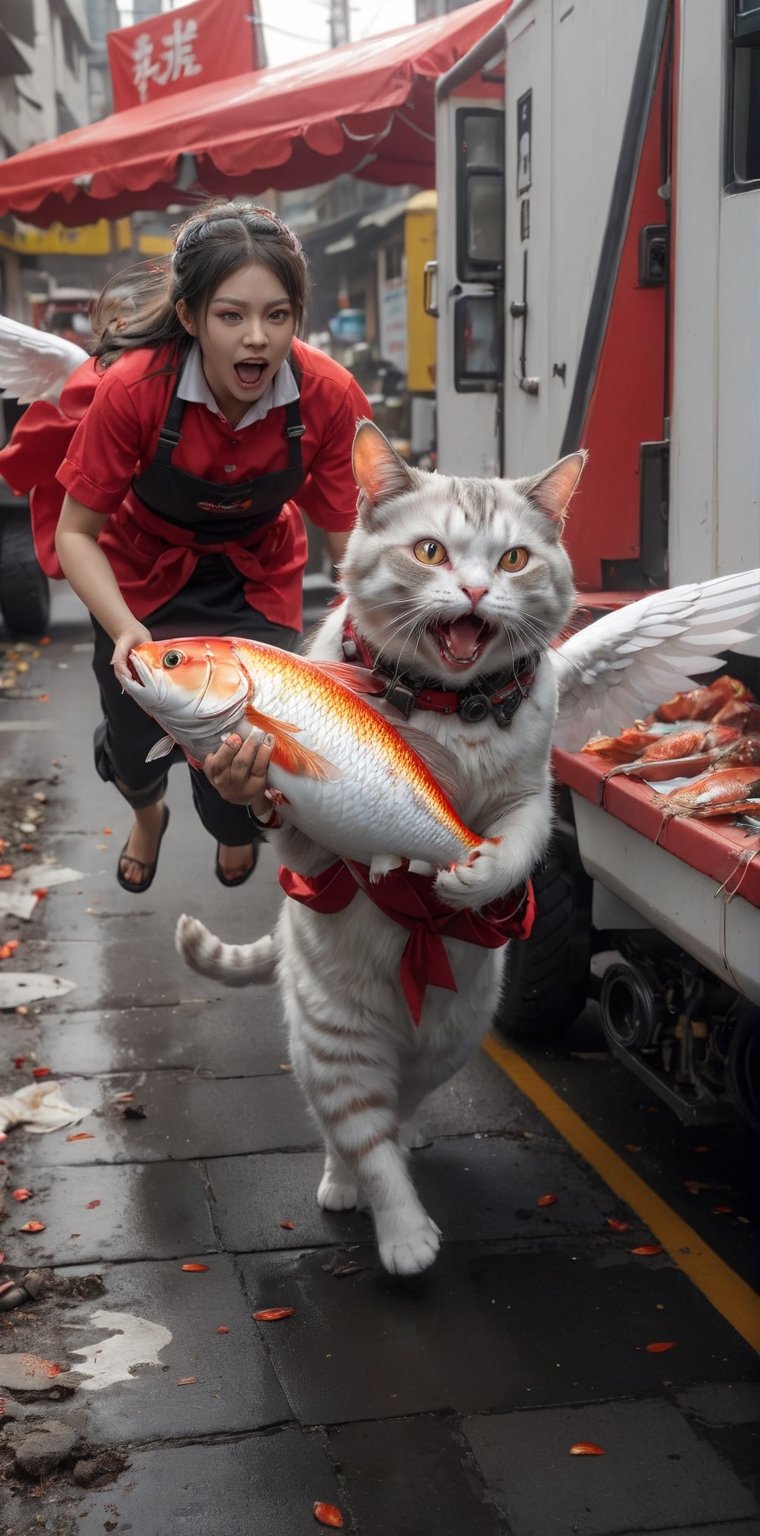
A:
(336, 1194)
(407, 1248)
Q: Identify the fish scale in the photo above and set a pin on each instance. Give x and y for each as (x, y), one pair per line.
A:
(348, 777)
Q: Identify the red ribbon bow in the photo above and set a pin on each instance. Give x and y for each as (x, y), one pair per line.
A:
(409, 899)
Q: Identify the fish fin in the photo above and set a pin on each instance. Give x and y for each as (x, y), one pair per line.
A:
(358, 679)
(289, 754)
(162, 748)
(420, 867)
(441, 761)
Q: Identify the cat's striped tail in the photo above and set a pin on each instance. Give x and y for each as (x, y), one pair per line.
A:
(233, 964)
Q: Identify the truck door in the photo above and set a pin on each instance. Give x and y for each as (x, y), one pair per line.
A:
(470, 285)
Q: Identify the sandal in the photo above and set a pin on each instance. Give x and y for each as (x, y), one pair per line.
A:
(245, 874)
(136, 887)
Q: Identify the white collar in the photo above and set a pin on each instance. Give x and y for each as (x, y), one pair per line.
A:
(193, 387)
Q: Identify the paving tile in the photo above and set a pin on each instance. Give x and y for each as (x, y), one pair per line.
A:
(475, 1189)
(655, 1473)
(479, 1099)
(252, 1195)
(143, 1211)
(729, 1418)
(110, 974)
(740, 1528)
(265, 1485)
(232, 1035)
(185, 1117)
(489, 1327)
(236, 1391)
(413, 1477)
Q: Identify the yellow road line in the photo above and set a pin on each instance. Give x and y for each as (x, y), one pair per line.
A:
(725, 1290)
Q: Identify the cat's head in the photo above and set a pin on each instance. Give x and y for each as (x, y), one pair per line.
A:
(452, 578)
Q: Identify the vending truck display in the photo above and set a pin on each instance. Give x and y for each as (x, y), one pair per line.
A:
(596, 285)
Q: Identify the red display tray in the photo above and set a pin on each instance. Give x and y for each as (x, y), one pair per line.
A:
(726, 853)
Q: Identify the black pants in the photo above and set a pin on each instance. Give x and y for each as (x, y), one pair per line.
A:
(212, 603)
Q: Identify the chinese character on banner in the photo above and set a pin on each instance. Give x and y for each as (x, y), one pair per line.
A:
(205, 41)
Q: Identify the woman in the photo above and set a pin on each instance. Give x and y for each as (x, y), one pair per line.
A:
(210, 420)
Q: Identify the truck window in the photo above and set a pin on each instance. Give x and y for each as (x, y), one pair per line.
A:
(743, 97)
(480, 194)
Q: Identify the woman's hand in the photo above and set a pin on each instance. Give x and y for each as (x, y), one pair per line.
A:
(131, 635)
(238, 771)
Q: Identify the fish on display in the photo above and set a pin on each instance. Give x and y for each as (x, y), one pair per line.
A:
(340, 770)
(703, 703)
(725, 792)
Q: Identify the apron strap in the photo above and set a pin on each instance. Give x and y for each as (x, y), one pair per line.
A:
(171, 433)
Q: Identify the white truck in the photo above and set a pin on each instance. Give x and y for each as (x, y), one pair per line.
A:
(597, 284)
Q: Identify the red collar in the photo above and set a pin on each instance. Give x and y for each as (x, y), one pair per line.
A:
(499, 694)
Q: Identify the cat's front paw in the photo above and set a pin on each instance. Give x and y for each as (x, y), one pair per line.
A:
(483, 878)
(336, 1193)
(407, 1244)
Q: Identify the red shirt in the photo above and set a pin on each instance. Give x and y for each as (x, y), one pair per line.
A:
(117, 438)
(38, 443)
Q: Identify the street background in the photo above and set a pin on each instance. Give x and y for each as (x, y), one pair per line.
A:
(444, 1404)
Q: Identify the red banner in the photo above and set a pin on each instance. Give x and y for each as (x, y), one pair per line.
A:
(208, 40)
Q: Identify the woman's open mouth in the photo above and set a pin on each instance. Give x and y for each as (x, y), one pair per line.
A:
(461, 641)
(250, 375)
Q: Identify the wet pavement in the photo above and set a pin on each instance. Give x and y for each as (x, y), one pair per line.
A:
(427, 1407)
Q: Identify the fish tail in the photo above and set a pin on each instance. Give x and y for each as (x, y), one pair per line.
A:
(233, 964)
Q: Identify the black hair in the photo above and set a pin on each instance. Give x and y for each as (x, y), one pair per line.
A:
(138, 308)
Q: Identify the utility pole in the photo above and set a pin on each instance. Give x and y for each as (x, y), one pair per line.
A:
(340, 31)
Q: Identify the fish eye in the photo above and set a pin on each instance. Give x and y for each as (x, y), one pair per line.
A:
(172, 659)
(515, 559)
(429, 552)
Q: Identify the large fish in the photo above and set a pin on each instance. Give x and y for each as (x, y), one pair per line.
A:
(346, 775)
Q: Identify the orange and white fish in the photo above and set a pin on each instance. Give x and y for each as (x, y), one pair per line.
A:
(342, 771)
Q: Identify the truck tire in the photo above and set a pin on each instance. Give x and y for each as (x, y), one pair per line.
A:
(546, 977)
(744, 1066)
(24, 588)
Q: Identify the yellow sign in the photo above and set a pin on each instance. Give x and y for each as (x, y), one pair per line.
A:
(419, 245)
(88, 240)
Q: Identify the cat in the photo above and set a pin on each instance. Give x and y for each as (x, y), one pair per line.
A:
(446, 583)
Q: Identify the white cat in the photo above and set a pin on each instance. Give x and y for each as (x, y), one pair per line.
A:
(453, 587)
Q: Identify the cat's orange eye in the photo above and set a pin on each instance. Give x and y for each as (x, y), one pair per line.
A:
(514, 559)
(429, 552)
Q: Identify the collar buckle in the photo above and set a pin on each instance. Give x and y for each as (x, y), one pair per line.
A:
(505, 710)
(401, 697)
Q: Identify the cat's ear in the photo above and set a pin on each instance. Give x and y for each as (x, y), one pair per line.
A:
(551, 491)
(379, 471)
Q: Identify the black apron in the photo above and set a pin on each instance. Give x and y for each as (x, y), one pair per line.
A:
(211, 510)
(213, 601)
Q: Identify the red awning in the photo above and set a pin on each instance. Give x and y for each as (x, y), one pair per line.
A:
(367, 108)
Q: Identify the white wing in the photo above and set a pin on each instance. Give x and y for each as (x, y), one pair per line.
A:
(34, 365)
(621, 666)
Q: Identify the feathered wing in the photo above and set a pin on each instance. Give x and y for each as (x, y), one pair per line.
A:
(34, 365)
(621, 666)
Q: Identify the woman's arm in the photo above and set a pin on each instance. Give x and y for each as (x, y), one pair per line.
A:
(89, 573)
(336, 545)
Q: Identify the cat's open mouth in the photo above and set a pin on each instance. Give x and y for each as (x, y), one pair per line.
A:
(461, 641)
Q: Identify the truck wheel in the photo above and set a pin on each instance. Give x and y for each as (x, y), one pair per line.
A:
(546, 978)
(24, 588)
(744, 1067)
